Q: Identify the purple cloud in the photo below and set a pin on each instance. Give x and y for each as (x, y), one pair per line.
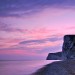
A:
(41, 40)
(25, 7)
(7, 28)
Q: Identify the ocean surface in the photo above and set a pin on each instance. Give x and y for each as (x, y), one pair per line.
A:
(21, 67)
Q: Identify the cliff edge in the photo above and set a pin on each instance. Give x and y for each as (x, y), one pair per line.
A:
(68, 49)
(54, 56)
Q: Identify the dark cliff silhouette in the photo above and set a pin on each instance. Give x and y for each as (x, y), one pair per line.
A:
(68, 49)
(54, 56)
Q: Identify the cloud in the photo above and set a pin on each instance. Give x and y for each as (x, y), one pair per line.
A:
(18, 44)
(21, 48)
(8, 28)
(3, 27)
(25, 7)
(51, 49)
(70, 28)
(27, 51)
(53, 39)
(32, 41)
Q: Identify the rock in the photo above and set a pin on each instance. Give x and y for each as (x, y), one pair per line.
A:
(57, 68)
(54, 56)
(68, 49)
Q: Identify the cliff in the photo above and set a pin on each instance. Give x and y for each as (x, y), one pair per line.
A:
(68, 49)
(54, 56)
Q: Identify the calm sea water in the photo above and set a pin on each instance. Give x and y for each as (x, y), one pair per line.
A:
(21, 67)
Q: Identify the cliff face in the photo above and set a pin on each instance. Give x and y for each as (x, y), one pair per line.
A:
(54, 56)
(68, 49)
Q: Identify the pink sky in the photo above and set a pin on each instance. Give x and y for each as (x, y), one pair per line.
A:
(35, 35)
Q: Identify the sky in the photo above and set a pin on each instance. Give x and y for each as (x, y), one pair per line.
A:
(30, 29)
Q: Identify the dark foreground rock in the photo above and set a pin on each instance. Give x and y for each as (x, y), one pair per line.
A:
(58, 68)
(54, 56)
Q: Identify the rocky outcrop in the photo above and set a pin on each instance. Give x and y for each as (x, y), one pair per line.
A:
(54, 56)
(68, 49)
(57, 68)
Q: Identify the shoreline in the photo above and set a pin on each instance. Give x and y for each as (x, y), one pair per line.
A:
(66, 67)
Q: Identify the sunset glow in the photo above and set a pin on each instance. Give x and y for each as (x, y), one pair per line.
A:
(30, 29)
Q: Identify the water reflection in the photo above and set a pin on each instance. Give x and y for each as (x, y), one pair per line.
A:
(21, 67)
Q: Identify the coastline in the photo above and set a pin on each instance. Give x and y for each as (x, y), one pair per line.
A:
(66, 67)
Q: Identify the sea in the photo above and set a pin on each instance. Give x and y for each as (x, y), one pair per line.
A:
(22, 67)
